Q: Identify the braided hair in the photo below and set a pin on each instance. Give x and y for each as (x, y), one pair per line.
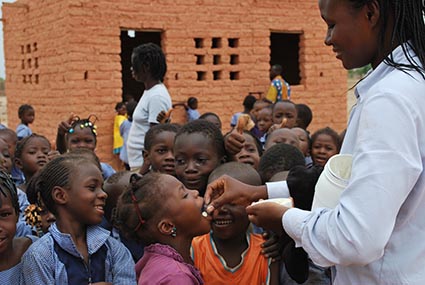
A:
(409, 25)
(58, 172)
(8, 189)
(143, 197)
(152, 58)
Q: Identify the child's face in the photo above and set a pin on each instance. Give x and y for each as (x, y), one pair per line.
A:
(283, 135)
(81, 138)
(5, 157)
(249, 153)
(122, 110)
(11, 142)
(196, 158)
(229, 221)
(161, 156)
(34, 156)
(86, 198)
(28, 116)
(8, 220)
(303, 138)
(350, 34)
(264, 119)
(258, 106)
(322, 149)
(286, 110)
(184, 208)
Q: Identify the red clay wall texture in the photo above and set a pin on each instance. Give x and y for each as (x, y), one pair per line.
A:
(63, 56)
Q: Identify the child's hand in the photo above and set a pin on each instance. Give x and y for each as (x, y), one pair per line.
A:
(64, 126)
(164, 117)
(52, 154)
(278, 126)
(267, 215)
(233, 142)
(272, 248)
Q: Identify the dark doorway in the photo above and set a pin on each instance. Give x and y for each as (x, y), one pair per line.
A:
(130, 40)
(284, 50)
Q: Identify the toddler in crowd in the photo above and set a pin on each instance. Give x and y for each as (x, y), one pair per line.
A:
(26, 114)
(305, 144)
(230, 253)
(285, 110)
(158, 149)
(78, 133)
(198, 150)
(161, 212)
(251, 151)
(11, 248)
(120, 117)
(304, 116)
(192, 109)
(264, 122)
(325, 143)
(76, 250)
(248, 105)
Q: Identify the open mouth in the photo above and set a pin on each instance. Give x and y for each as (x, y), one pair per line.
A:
(223, 222)
(99, 208)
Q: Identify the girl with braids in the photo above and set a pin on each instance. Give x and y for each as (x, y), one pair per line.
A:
(149, 67)
(375, 235)
(76, 133)
(161, 212)
(11, 248)
(76, 250)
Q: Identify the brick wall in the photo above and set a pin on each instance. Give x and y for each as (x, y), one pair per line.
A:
(74, 48)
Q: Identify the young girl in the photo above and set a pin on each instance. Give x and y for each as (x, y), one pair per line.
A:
(158, 153)
(80, 133)
(11, 247)
(325, 143)
(31, 155)
(76, 250)
(161, 212)
(198, 150)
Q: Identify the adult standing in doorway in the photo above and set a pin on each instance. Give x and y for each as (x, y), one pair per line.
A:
(375, 234)
(279, 89)
(149, 67)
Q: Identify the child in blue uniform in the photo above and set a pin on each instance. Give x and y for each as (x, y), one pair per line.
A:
(76, 250)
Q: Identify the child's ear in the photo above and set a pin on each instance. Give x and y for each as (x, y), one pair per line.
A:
(18, 163)
(145, 154)
(165, 227)
(60, 195)
(373, 12)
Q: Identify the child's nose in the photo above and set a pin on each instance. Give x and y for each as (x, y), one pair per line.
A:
(191, 166)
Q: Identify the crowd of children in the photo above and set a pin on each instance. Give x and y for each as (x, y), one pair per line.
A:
(91, 225)
(68, 218)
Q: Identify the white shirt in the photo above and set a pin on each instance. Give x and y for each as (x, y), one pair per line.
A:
(376, 235)
(152, 102)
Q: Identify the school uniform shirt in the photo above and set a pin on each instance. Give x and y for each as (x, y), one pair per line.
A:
(152, 102)
(12, 275)
(23, 131)
(192, 114)
(54, 259)
(162, 264)
(376, 233)
(253, 268)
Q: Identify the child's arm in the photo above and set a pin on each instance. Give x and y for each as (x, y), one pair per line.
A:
(63, 128)
(274, 273)
(122, 264)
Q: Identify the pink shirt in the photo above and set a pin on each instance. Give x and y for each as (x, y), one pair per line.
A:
(162, 264)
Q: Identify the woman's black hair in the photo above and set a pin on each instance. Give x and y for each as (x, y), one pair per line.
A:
(409, 27)
(150, 56)
(8, 189)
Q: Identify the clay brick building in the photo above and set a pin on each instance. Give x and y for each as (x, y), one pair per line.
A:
(66, 56)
